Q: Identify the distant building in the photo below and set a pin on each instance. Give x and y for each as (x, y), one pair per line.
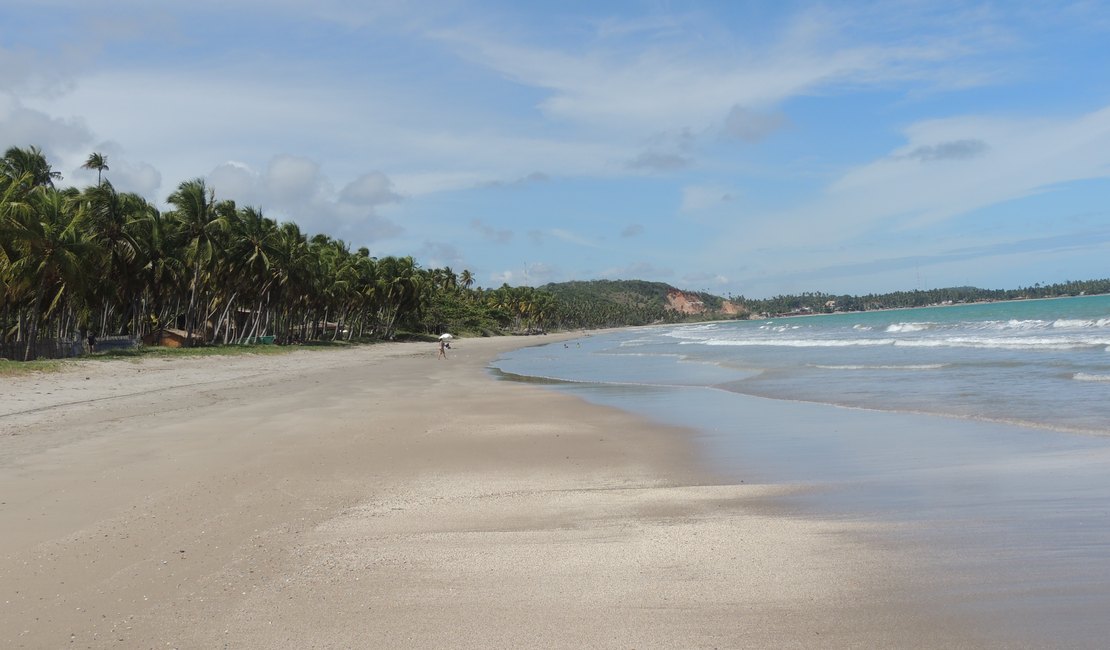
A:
(169, 338)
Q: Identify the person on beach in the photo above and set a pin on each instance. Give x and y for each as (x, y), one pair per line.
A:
(92, 342)
(442, 348)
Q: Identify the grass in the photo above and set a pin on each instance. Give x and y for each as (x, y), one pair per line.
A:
(148, 351)
(21, 368)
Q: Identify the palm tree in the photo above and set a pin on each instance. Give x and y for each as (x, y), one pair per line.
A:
(30, 165)
(66, 255)
(160, 257)
(97, 161)
(398, 290)
(52, 247)
(288, 262)
(12, 193)
(200, 222)
(252, 246)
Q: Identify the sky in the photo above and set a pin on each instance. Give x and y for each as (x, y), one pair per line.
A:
(750, 148)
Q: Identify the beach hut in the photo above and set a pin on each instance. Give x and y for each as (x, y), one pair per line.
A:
(170, 338)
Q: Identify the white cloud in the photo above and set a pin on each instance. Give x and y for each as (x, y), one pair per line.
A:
(237, 180)
(499, 278)
(370, 189)
(21, 126)
(752, 126)
(672, 83)
(486, 103)
(1006, 159)
(293, 180)
(292, 189)
(138, 177)
(954, 150)
(999, 160)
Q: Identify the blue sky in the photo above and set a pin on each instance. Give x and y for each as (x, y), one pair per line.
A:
(745, 148)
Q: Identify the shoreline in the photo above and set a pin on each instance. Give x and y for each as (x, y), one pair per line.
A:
(380, 497)
(929, 306)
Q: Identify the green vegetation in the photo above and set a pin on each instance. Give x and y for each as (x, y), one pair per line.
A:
(826, 303)
(15, 368)
(74, 262)
(137, 353)
(617, 303)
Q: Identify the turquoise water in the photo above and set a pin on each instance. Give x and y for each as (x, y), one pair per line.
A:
(1040, 362)
(982, 430)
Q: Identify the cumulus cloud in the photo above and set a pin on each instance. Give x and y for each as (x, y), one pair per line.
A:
(499, 278)
(67, 144)
(370, 189)
(293, 189)
(293, 179)
(236, 179)
(138, 177)
(22, 127)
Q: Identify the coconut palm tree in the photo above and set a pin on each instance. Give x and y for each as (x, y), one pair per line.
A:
(200, 222)
(97, 161)
(398, 290)
(12, 193)
(52, 248)
(106, 226)
(30, 165)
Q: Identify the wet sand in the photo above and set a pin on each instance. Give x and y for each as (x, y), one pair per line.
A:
(381, 497)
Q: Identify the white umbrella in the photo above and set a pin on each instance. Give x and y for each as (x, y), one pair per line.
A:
(444, 337)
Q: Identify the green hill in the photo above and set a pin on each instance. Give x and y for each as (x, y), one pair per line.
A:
(614, 303)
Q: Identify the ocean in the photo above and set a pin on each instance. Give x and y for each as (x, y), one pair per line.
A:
(981, 432)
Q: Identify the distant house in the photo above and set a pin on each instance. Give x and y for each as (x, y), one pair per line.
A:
(169, 338)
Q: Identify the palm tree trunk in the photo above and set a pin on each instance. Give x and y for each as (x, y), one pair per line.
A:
(33, 326)
(189, 315)
(223, 319)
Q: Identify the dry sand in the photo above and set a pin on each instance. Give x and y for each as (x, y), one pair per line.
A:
(381, 497)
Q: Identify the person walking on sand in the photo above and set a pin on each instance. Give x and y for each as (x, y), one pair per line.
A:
(442, 348)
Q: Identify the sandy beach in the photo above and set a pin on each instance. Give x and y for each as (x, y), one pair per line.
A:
(381, 497)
